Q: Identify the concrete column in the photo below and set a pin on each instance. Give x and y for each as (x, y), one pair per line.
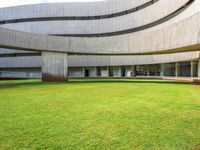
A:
(192, 68)
(199, 68)
(148, 70)
(128, 71)
(54, 67)
(83, 72)
(177, 69)
(162, 70)
(133, 71)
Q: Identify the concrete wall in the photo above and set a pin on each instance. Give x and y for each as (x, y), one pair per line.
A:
(21, 72)
(182, 36)
(76, 72)
(20, 62)
(132, 20)
(54, 66)
(104, 72)
(69, 9)
(93, 72)
(91, 61)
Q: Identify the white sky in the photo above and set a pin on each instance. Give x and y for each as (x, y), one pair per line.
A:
(6, 3)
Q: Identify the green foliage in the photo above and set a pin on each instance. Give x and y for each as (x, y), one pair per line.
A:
(99, 114)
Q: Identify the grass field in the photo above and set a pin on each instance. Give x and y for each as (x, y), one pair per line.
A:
(99, 114)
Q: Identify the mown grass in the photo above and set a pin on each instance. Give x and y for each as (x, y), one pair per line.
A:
(99, 114)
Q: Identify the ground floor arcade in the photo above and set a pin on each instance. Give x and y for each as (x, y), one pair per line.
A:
(175, 69)
(178, 69)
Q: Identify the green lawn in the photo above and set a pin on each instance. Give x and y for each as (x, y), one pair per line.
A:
(100, 114)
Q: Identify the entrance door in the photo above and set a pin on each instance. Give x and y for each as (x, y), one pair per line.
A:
(87, 73)
(123, 71)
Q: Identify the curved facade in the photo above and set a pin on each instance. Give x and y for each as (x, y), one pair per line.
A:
(108, 38)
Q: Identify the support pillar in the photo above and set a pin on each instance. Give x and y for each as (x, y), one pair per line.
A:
(83, 72)
(54, 67)
(177, 69)
(192, 68)
(148, 70)
(199, 67)
(162, 69)
(133, 71)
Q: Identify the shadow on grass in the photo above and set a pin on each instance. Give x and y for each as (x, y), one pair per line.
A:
(31, 83)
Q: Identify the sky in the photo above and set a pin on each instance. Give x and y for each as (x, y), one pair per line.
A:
(7, 3)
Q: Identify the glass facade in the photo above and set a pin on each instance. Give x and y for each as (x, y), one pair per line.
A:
(185, 69)
(141, 70)
(154, 70)
(178, 69)
(98, 71)
(169, 69)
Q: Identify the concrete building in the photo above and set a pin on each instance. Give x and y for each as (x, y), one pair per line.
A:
(117, 38)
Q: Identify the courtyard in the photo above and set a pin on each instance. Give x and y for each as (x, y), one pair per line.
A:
(99, 114)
